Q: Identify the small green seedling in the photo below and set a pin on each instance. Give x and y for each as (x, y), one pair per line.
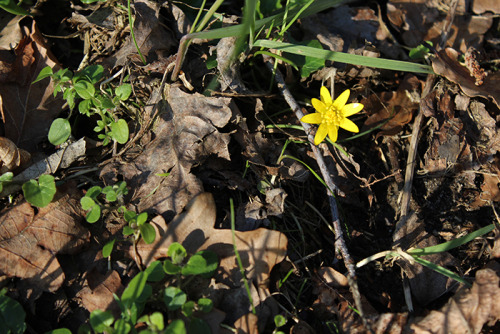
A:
(5, 178)
(40, 193)
(279, 321)
(92, 202)
(139, 292)
(420, 51)
(138, 226)
(103, 103)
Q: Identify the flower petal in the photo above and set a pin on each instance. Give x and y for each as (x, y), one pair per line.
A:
(351, 109)
(320, 134)
(341, 100)
(318, 105)
(333, 132)
(314, 118)
(349, 125)
(326, 98)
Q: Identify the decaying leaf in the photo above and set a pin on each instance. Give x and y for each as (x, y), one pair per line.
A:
(28, 109)
(11, 157)
(396, 107)
(29, 241)
(259, 250)
(186, 134)
(468, 311)
(446, 64)
(97, 293)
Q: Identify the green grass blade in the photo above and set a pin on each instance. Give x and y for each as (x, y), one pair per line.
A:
(441, 270)
(446, 246)
(342, 57)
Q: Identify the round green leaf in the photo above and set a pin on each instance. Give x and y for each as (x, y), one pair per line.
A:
(174, 298)
(176, 327)
(12, 315)
(93, 72)
(122, 327)
(59, 132)
(119, 131)
(84, 107)
(108, 248)
(123, 92)
(148, 233)
(202, 263)
(94, 214)
(279, 320)
(93, 192)
(86, 203)
(101, 320)
(40, 193)
(176, 252)
(170, 268)
(157, 320)
(142, 218)
(59, 331)
(85, 89)
(188, 308)
(205, 305)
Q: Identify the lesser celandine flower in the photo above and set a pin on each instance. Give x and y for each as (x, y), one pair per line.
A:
(330, 115)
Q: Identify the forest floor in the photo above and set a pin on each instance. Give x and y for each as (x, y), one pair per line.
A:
(221, 146)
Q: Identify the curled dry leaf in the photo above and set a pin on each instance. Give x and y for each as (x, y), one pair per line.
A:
(29, 241)
(396, 107)
(28, 109)
(447, 65)
(11, 157)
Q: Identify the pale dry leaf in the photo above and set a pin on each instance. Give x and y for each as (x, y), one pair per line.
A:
(468, 311)
(29, 109)
(11, 157)
(482, 6)
(186, 134)
(97, 294)
(332, 277)
(29, 242)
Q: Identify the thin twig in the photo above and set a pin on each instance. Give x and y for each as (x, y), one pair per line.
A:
(339, 242)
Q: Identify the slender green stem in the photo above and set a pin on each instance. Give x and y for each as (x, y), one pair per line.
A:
(131, 23)
(238, 258)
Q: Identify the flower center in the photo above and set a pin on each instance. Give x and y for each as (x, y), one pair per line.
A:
(332, 116)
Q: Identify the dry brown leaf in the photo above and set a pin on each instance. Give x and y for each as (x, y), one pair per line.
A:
(260, 249)
(482, 6)
(397, 106)
(186, 135)
(11, 157)
(29, 242)
(97, 294)
(468, 311)
(446, 64)
(28, 109)
(150, 35)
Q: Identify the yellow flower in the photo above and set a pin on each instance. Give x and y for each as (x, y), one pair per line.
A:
(330, 115)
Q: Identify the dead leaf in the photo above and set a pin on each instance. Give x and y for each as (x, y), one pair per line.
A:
(149, 33)
(332, 277)
(186, 134)
(11, 157)
(446, 64)
(468, 311)
(29, 242)
(397, 106)
(260, 249)
(97, 293)
(29, 109)
(482, 6)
